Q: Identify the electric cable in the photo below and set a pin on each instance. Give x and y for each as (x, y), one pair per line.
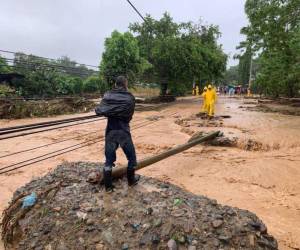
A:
(48, 122)
(80, 145)
(45, 130)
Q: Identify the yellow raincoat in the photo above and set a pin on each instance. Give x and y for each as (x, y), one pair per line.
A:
(204, 106)
(211, 97)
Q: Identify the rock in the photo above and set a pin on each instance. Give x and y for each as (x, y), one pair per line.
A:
(141, 217)
(90, 222)
(172, 245)
(62, 246)
(181, 239)
(217, 223)
(157, 222)
(99, 246)
(81, 215)
(108, 237)
(216, 242)
(155, 239)
(252, 240)
(57, 209)
(125, 246)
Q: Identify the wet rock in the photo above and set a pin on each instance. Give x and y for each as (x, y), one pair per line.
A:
(172, 245)
(125, 246)
(157, 222)
(107, 236)
(155, 239)
(217, 223)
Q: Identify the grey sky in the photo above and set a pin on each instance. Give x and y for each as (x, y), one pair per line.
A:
(53, 28)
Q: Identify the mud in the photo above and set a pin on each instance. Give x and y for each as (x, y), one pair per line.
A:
(276, 108)
(263, 181)
(16, 109)
(70, 213)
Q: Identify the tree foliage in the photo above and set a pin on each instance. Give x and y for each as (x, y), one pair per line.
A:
(163, 51)
(180, 52)
(49, 78)
(274, 34)
(122, 57)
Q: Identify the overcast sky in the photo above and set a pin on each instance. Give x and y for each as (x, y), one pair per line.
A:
(77, 28)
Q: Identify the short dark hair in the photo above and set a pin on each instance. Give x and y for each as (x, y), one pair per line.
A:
(121, 81)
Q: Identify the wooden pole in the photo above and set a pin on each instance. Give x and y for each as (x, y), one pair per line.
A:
(121, 171)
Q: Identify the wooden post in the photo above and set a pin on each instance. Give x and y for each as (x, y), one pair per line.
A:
(121, 171)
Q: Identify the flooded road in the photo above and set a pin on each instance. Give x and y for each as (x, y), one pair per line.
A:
(263, 177)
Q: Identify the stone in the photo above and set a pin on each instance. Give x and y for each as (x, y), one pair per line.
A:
(125, 246)
(217, 223)
(155, 239)
(252, 240)
(107, 235)
(172, 245)
(90, 222)
(192, 248)
(99, 246)
(157, 222)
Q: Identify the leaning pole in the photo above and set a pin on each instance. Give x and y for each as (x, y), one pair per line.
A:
(121, 171)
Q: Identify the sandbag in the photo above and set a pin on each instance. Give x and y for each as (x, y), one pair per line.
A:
(117, 103)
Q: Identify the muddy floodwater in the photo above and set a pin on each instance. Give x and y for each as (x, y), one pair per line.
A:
(260, 173)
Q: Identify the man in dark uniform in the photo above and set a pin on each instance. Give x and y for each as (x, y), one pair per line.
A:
(118, 106)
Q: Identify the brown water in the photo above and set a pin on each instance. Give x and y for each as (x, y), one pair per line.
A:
(266, 182)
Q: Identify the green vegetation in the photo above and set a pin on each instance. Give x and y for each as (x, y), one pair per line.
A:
(163, 51)
(51, 78)
(174, 55)
(273, 39)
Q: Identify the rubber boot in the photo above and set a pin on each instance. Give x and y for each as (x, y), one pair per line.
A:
(131, 177)
(107, 176)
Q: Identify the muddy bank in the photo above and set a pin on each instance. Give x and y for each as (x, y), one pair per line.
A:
(70, 213)
(16, 109)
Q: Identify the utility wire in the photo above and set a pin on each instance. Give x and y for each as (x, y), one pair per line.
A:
(40, 126)
(70, 150)
(45, 130)
(51, 59)
(136, 10)
(49, 122)
(49, 144)
(34, 63)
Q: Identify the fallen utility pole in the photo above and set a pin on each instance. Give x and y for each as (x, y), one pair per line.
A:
(121, 171)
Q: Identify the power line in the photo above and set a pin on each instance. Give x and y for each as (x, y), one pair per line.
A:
(46, 130)
(34, 63)
(80, 145)
(47, 58)
(48, 122)
(136, 10)
(49, 144)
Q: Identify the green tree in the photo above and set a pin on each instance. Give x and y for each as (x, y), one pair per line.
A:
(274, 34)
(179, 53)
(122, 57)
(4, 68)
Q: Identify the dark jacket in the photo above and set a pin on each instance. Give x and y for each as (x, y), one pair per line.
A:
(118, 106)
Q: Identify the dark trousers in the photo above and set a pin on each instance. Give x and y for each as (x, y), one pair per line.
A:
(114, 139)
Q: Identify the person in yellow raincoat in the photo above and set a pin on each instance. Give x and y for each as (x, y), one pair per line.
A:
(204, 106)
(211, 97)
(197, 90)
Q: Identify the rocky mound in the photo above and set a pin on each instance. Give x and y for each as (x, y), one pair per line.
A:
(71, 213)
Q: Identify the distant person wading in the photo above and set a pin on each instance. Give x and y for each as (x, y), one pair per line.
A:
(118, 106)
